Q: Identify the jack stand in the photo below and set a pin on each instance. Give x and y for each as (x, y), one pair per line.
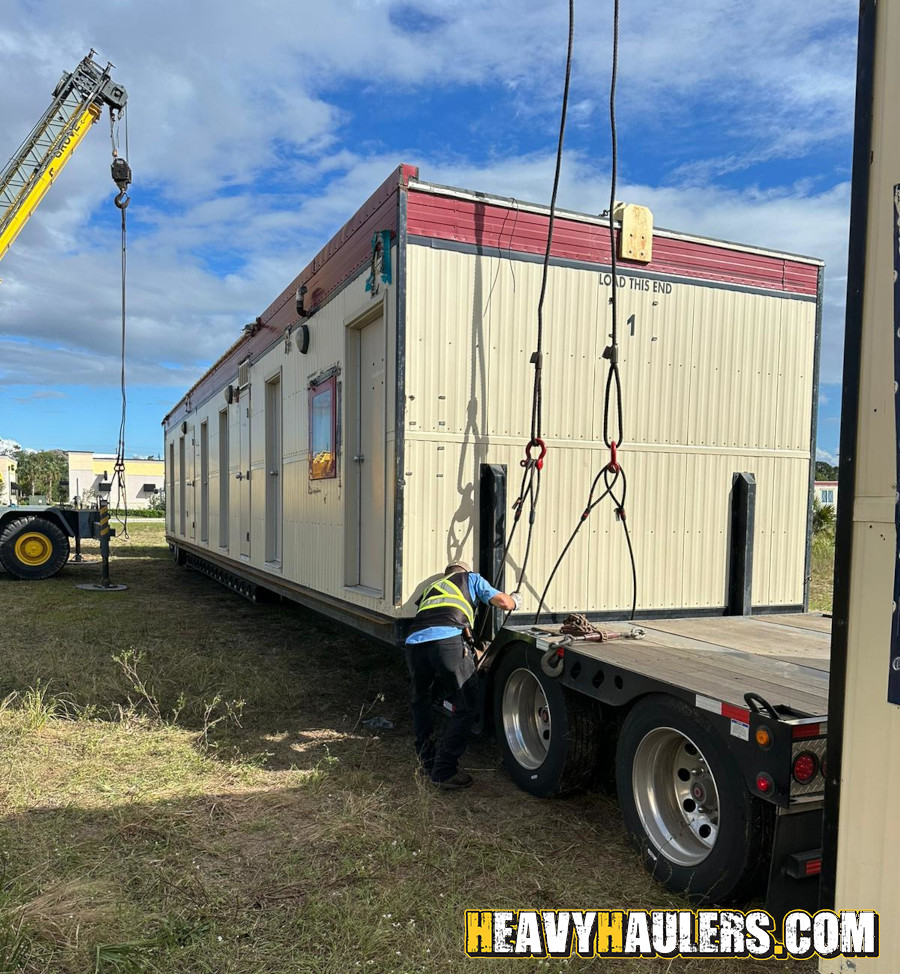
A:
(104, 585)
(79, 557)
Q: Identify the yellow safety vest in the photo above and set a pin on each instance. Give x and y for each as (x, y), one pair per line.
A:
(444, 594)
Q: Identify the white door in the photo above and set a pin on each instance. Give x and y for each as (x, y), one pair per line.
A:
(369, 455)
(273, 471)
(204, 482)
(243, 474)
(191, 449)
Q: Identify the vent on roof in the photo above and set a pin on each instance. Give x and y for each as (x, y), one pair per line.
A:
(244, 373)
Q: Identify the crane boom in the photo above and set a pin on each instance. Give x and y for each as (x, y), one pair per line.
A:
(78, 101)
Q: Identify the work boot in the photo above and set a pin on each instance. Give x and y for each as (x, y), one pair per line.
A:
(456, 782)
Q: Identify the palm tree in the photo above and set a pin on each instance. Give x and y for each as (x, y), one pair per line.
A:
(823, 518)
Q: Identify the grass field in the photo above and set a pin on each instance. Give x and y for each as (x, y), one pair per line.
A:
(186, 786)
(820, 583)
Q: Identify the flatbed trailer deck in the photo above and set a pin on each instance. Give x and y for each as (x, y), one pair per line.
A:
(713, 728)
(785, 662)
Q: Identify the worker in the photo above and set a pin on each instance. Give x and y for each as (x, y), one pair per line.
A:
(436, 650)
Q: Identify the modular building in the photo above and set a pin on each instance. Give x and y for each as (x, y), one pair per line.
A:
(336, 453)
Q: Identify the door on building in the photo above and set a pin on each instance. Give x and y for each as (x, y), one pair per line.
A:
(204, 481)
(273, 471)
(366, 454)
(224, 479)
(182, 488)
(170, 492)
(243, 474)
(191, 512)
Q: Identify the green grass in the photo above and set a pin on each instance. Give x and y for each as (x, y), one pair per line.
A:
(822, 570)
(210, 802)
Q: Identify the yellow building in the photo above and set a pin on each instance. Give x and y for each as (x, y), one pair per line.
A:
(144, 479)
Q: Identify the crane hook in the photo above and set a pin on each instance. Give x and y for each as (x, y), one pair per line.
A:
(121, 174)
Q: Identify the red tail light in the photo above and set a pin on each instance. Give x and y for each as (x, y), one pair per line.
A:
(764, 783)
(805, 767)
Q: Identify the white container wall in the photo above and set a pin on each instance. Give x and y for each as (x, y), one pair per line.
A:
(717, 352)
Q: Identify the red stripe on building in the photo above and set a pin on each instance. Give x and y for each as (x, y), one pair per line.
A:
(503, 227)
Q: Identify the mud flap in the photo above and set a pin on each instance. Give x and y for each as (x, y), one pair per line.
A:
(796, 859)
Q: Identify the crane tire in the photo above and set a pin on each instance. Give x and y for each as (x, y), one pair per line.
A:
(33, 548)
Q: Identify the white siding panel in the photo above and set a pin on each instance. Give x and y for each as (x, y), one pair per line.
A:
(715, 381)
(313, 515)
(704, 376)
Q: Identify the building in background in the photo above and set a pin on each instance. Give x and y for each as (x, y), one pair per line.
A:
(7, 480)
(826, 493)
(144, 479)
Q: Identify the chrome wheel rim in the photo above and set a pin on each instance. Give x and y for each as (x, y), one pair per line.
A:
(527, 723)
(676, 796)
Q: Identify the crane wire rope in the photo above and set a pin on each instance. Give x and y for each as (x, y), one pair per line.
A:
(612, 473)
(121, 174)
(530, 489)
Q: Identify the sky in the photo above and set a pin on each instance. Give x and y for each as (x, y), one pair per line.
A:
(255, 130)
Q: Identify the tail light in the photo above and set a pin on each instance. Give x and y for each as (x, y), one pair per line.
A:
(764, 783)
(805, 767)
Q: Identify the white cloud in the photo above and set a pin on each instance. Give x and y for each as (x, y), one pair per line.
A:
(826, 456)
(243, 169)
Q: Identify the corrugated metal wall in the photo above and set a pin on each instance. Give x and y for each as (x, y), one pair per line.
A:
(313, 511)
(716, 381)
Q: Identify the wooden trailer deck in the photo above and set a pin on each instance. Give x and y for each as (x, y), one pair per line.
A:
(783, 658)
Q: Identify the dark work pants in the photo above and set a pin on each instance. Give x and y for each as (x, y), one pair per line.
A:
(449, 663)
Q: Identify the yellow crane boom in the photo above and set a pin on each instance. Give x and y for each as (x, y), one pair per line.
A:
(78, 101)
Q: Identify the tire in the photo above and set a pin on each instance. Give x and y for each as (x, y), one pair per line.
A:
(548, 736)
(33, 548)
(685, 805)
(179, 555)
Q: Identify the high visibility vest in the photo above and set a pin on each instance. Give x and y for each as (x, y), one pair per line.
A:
(446, 602)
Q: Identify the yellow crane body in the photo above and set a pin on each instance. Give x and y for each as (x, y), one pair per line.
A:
(32, 195)
(77, 103)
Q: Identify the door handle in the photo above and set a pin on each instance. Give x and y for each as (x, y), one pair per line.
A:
(238, 476)
(273, 473)
(359, 458)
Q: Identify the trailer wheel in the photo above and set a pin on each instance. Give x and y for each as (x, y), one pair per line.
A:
(700, 832)
(179, 555)
(33, 548)
(548, 736)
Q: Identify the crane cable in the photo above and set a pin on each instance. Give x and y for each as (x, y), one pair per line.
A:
(530, 489)
(121, 174)
(612, 473)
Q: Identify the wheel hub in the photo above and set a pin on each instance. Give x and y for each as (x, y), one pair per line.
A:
(676, 796)
(33, 549)
(527, 721)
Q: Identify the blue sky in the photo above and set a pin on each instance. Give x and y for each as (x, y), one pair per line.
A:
(257, 129)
